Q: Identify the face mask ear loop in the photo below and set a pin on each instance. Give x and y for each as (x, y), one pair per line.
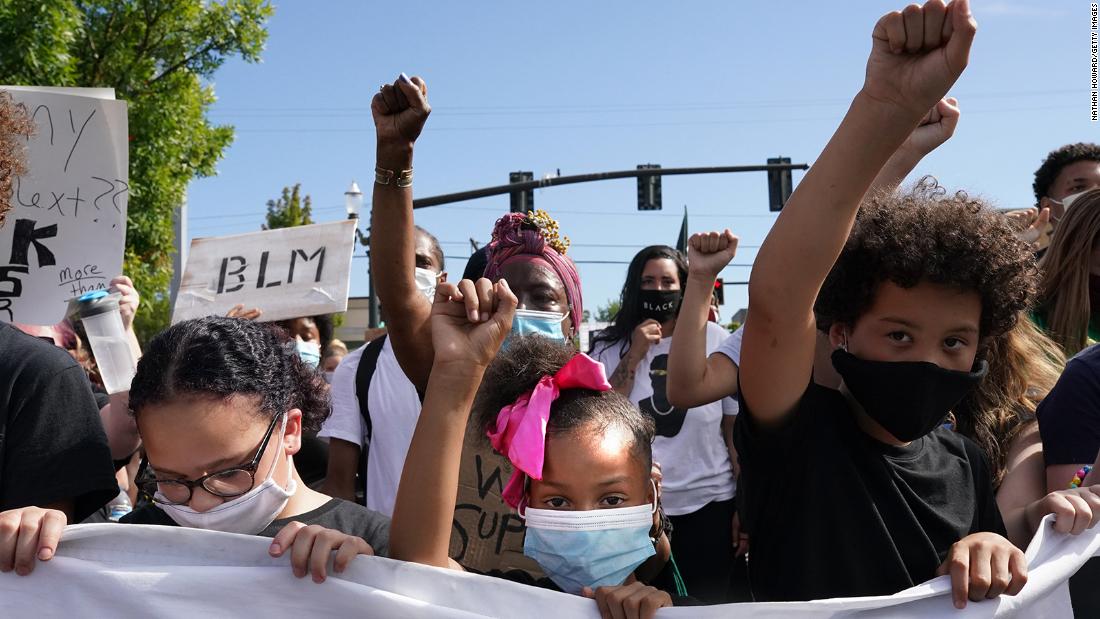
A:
(275, 462)
(656, 499)
(523, 500)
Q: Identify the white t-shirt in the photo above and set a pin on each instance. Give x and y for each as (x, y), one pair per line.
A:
(394, 410)
(695, 463)
(732, 346)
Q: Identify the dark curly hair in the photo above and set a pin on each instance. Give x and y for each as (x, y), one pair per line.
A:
(219, 357)
(929, 235)
(519, 368)
(629, 315)
(15, 126)
(1059, 159)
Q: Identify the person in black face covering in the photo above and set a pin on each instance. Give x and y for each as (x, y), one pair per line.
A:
(698, 479)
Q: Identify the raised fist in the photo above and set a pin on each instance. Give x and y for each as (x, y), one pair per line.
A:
(400, 111)
(710, 252)
(937, 126)
(918, 53)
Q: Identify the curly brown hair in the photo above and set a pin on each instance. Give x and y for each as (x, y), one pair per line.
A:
(15, 127)
(926, 234)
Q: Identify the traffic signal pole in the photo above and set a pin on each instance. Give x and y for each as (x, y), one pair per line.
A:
(555, 181)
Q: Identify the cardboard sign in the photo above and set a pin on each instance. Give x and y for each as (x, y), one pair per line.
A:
(66, 232)
(487, 534)
(287, 273)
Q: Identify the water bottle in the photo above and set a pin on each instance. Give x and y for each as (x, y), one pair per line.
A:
(119, 506)
(110, 345)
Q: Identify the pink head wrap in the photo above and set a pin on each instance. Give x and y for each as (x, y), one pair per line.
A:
(520, 432)
(519, 235)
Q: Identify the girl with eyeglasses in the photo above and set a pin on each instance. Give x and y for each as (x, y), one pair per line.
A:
(221, 404)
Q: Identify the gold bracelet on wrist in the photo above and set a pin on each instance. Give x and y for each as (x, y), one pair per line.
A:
(404, 178)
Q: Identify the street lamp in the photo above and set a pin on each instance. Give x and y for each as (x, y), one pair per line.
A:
(353, 203)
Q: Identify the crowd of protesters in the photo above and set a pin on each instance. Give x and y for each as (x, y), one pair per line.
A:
(915, 388)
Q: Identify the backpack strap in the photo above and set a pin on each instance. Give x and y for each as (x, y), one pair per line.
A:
(367, 364)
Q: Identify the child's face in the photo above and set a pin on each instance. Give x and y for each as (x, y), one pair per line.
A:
(588, 469)
(927, 322)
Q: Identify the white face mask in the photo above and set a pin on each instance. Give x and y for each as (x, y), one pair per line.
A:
(425, 282)
(249, 513)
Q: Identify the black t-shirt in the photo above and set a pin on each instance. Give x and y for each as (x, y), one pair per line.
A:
(1069, 417)
(338, 514)
(831, 512)
(52, 444)
(101, 400)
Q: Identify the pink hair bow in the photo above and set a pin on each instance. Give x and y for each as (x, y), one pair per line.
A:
(521, 426)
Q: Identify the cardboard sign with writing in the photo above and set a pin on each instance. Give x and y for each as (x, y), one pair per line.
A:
(487, 534)
(66, 231)
(287, 273)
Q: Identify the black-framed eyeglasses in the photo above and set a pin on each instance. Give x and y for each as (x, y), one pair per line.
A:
(227, 484)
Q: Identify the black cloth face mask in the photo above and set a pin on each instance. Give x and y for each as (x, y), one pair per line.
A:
(661, 305)
(907, 398)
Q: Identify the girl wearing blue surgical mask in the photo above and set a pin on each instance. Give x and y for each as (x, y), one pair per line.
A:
(221, 404)
(582, 453)
(694, 441)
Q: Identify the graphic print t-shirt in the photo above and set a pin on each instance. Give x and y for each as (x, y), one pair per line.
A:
(695, 463)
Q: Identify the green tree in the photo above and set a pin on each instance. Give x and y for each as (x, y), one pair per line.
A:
(159, 56)
(606, 313)
(290, 210)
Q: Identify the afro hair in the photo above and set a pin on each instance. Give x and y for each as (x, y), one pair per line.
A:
(926, 234)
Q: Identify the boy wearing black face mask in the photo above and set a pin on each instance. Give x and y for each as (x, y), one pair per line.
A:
(860, 491)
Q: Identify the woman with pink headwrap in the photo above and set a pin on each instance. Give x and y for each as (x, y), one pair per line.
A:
(527, 252)
(526, 249)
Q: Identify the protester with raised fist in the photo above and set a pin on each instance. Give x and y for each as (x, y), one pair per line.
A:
(906, 304)
(527, 249)
(583, 477)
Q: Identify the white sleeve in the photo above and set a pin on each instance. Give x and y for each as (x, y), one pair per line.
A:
(731, 347)
(608, 355)
(345, 422)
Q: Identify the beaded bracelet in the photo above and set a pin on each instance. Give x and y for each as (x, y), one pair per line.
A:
(1079, 476)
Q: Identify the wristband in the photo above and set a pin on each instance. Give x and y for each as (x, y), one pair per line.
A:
(404, 178)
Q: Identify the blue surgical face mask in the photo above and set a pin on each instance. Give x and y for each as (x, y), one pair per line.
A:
(591, 548)
(531, 322)
(310, 352)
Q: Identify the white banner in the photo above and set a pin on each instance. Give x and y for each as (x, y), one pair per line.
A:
(104, 570)
(66, 232)
(287, 273)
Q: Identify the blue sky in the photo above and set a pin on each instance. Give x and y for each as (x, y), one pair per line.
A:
(587, 86)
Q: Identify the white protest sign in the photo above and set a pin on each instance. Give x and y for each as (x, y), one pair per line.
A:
(66, 232)
(287, 273)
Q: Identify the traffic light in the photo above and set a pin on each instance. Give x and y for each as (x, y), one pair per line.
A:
(779, 184)
(720, 291)
(649, 189)
(522, 201)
